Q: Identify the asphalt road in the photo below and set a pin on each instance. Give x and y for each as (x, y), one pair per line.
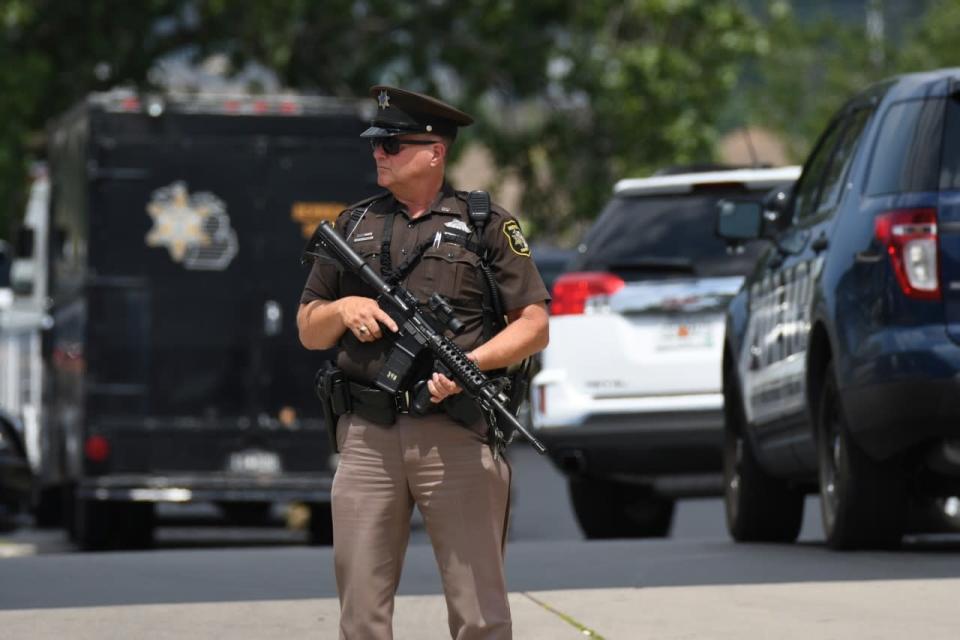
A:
(206, 581)
(546, 551)
(540, 512)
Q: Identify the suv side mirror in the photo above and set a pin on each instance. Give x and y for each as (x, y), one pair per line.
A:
(739, 220)
(775, 218)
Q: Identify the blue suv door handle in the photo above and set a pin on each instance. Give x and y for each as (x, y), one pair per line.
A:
(867, 257)
(820, 243)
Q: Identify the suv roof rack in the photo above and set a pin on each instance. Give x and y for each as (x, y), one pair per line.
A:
(703, 167)
(751, 178)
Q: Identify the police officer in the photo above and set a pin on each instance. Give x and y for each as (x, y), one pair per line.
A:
(420, 233)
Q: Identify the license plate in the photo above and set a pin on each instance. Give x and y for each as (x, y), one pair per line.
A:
(254, 462)
(685, 335)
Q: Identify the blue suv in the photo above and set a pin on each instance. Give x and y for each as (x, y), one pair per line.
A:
(841, 363)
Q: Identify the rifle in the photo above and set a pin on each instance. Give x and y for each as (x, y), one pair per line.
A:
(422, 330)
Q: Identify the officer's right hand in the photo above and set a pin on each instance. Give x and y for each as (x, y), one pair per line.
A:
(363, 317)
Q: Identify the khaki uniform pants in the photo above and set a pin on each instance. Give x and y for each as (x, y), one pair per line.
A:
(463, 495)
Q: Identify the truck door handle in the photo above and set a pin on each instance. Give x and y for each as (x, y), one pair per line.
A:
(820, 243)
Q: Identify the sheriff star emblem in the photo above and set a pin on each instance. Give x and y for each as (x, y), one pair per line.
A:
(195, 229)
(176, 224)
(383, 100)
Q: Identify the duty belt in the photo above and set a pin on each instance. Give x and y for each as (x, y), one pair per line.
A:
(376, 405)
(380, 399)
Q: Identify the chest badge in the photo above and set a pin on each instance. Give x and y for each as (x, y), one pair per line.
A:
(459, 225)
(518, 244)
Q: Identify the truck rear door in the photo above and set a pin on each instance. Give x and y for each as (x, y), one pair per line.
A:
(194, 253)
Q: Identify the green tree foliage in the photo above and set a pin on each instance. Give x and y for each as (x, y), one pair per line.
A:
(933, 43)
(52, 52)
(807, 69)
(569, 95)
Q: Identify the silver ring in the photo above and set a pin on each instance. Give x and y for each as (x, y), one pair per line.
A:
(363, 328)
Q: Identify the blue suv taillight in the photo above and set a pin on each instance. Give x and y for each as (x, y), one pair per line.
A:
(910, 239)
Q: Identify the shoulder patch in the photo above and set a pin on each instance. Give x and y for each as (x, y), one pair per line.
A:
(518, 244)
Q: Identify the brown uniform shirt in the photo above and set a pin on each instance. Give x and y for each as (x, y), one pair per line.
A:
(446, 268)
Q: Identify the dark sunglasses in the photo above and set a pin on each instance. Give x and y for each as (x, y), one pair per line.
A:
(391, 146)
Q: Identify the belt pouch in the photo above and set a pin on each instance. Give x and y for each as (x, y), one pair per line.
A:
(373, 404)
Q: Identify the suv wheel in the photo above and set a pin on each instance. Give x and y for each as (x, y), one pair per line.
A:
(862, 500)
(759, 507)
(608, 509)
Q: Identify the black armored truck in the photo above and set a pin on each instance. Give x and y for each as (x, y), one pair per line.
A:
(171, 365)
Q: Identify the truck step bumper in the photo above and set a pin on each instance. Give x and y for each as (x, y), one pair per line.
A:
(207, 489)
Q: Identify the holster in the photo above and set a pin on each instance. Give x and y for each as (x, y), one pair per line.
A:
(519, 385)
(462, 409)
(334, 393)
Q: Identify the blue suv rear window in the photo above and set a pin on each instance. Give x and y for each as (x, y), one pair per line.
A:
(950, 168)
(906, 157)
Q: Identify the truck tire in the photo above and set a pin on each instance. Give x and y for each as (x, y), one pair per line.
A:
(103, 525)
(759, 507)
(609, 509)
(862, 501)
(47, 507)
(321, 524)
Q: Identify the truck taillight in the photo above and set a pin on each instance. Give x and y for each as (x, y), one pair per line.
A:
(583, 291)
(910, 239)
(97, 449)
(130, 104)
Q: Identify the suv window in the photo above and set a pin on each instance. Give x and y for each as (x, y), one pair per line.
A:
(664, 236)
(907, 154)
(950, 165)
(836, 174)
(808, 189)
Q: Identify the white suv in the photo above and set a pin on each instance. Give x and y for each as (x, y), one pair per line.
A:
(628, 398)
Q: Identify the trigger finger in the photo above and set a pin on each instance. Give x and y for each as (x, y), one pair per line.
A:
(387, 321)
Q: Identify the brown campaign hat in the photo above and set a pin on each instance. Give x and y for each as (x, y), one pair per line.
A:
(401, 112)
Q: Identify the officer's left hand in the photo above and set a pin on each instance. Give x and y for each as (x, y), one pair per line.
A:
(441, 386)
